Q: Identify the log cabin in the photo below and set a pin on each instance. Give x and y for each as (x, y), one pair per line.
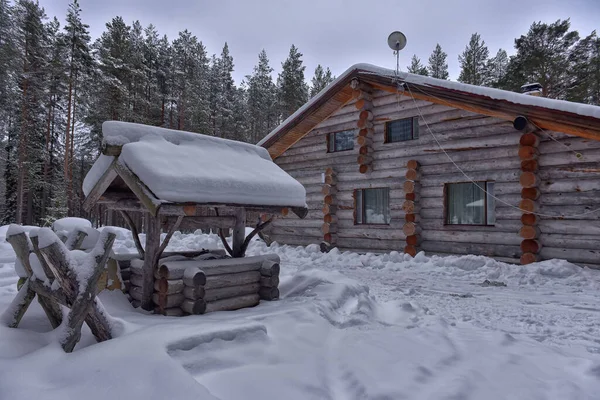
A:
(393, 161)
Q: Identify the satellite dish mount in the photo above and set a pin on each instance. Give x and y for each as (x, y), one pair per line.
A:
(397, 42)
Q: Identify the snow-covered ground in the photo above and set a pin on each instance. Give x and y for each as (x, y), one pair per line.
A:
(348, 326)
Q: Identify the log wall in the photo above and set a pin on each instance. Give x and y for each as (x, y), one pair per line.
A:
(485, 148)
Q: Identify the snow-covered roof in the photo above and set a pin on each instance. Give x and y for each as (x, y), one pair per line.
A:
(505, 101)
(186, 167)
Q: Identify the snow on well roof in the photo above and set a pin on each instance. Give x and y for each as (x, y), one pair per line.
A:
(183, 167)
(364, 70)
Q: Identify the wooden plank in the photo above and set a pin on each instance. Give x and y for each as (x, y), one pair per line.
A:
(145, 195)
(226, 280)
(100, 187)
(150, 260)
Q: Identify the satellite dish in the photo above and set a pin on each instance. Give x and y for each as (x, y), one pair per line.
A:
(397, 41)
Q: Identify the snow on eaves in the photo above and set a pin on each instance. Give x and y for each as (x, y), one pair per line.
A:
(180, 166)
(586, 110)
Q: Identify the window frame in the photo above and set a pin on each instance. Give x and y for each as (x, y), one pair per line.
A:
(331, 137)
(386, 133)
(485, 204)
(363, 210)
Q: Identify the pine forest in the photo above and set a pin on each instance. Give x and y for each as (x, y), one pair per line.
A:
(58, 84)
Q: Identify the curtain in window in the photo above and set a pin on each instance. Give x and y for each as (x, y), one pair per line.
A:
(465, 204)
(340, 141)
(377, 206)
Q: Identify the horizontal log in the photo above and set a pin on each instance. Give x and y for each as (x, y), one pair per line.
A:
(136, 280)
(578, 256)
(169, 312)
(194, 293)
(270, 268)
(193, 307)
(170, 270)
(475, 237)
(234, 265)
(361, 95)
(370, 232)
(234, 303)
(194, 277)
(191, 223)
(268, 293)
(489, 250)
(587, 242)
(330, 199)
(371, 244)
(232, 291)
(412, 196)
(438, 224)
(269, 281)
(226, 280)
(167, 301)
(412, 218)
(364, 168)
(570, 227)
(364, 123)
(168, 287)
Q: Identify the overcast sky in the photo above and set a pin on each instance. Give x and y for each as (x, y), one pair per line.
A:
(337, 33)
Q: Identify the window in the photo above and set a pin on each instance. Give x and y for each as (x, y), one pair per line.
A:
(468, 204)
(402, 130)
(372, 206)
(340, 141)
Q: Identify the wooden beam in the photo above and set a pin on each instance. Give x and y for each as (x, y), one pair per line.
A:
(100, 187)
(222, 222)
(170, 233)
(111, 149)
(134, 233)
(239, 233)
(150, 260)
(142, 192)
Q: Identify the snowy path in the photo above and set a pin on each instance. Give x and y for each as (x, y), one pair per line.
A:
(347, 327)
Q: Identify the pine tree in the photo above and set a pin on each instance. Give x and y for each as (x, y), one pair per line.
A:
(224, 95)
(293, 91)
(585, 59)
(320, 80)
(416, 67)
(543, 56)
(473, 62)
(152, 97)
(262, 100)
(79, 64)
(438, 67)
(31, 44)
(497, 67)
